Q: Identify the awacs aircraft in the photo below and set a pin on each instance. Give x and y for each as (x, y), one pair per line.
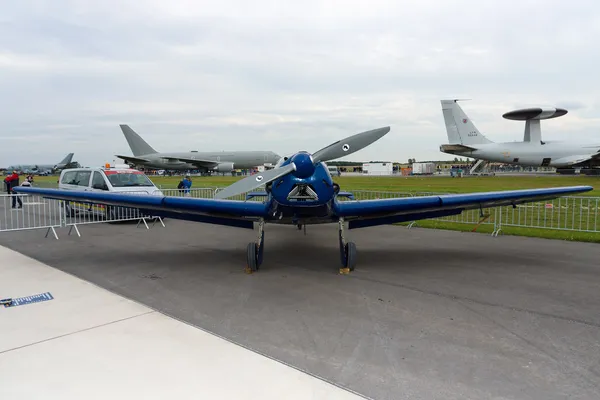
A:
(299, 191)
(226, 161)
(40, 168)
(465, 140)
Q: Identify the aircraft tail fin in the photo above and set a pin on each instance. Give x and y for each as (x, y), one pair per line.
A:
(138, 146)
(459, 128)
(67, 160)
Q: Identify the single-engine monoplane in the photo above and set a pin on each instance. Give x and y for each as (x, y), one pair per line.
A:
(300, 191)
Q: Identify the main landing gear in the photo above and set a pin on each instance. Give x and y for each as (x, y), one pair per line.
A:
(255, 250)
(347, 251)
(300, 226)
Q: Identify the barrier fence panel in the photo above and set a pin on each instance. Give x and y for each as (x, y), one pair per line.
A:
(85, 213)
(580, 214)
(35, 212)
(374, 195)
(199, 193)
(26, 212)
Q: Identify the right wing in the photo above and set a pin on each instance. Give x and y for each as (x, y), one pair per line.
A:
(364, 213)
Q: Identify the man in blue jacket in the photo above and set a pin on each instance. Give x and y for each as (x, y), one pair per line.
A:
(186, 185)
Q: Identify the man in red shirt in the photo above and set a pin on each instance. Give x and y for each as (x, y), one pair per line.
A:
(11, 181)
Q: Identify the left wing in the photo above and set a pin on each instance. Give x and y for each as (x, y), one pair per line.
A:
(364, 213)
(221, 212)
(133, 160)
(194, 161)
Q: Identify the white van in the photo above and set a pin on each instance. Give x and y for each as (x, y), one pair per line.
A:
(119, 178)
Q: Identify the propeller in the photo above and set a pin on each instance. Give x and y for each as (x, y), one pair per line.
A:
(302, 164)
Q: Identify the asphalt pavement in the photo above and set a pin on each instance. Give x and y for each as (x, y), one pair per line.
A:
(428, 314)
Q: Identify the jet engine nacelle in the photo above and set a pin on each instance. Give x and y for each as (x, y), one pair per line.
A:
(224, 167)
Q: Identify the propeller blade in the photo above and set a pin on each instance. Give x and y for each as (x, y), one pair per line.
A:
(349, 145)
(254, 181)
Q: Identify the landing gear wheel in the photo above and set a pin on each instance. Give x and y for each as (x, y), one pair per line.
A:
(252, 255)
(350, 250)
(255, 251)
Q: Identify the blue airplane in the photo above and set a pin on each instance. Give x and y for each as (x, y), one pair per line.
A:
(300, 191)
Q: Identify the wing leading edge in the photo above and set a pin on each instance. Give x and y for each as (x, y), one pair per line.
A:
(364, 213)
(194, 161)
(222, 212)
(358, 213)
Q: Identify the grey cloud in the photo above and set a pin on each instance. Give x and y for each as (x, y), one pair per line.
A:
(232, 75)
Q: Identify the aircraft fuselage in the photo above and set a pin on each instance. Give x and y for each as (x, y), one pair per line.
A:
(550, 154)
(240, 159)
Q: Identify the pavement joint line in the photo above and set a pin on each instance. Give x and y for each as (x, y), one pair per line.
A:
(459, 298)
(153, 310)
(78, 331)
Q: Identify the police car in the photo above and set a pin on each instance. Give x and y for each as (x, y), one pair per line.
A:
(119, 178)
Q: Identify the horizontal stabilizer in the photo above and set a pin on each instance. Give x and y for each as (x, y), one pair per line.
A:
(135, 160)
(456, 148)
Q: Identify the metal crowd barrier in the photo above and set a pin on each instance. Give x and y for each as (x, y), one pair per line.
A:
(35, 212)
(580, 214)
(569, 213)
(25, 212)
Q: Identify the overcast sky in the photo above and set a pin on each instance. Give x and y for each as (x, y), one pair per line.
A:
(287, 75)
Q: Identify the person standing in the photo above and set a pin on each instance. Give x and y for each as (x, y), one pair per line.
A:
(187, 185)
(12, 181)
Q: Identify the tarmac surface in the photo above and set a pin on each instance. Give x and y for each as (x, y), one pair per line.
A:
(426, 315)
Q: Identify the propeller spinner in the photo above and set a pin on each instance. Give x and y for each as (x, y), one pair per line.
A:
(302, 164)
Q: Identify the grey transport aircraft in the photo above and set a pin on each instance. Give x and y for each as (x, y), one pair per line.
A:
(42, 168)
(465, 139)
(217, 161)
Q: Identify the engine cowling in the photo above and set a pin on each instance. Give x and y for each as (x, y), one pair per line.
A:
(224, 167)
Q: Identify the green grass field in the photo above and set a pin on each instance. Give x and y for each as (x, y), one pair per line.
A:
(574, 215)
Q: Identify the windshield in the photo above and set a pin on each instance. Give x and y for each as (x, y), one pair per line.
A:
(128, 179)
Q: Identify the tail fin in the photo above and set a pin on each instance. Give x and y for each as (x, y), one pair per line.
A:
(67, 160)
(459, 127)
(138, 146)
